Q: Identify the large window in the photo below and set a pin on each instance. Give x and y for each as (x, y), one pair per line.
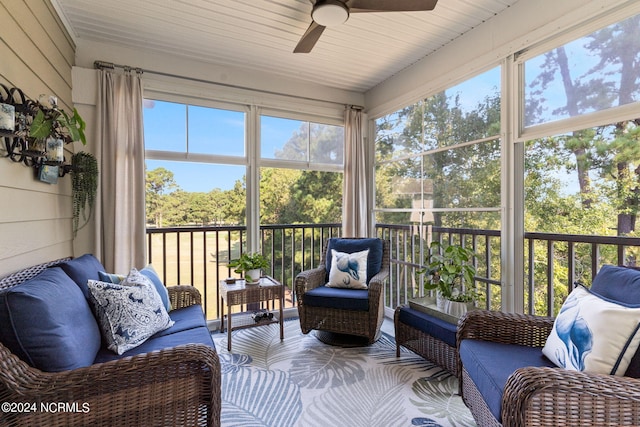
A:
(190, 180)
(438, 167)
(438, 161)
(197, 161)
(582, 177)
(301, 177)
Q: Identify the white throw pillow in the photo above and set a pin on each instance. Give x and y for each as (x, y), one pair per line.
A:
(129, 312)
(593, 334)
(348, 270)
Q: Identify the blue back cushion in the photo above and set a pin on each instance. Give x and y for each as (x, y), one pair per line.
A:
(47, 322)
(82, 269)
(620, 284)
(374, 259)
(148, 272)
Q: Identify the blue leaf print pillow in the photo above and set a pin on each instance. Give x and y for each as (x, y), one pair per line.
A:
(348, 270)
(583, 338)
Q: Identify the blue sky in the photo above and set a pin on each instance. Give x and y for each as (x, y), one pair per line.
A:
(209, 131)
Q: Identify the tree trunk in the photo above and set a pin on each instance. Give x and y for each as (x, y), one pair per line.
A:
(572, 108)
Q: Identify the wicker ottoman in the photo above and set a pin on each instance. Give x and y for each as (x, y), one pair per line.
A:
(430, 337)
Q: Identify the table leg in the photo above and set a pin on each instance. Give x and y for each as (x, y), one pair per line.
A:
(221, 315)
(228, 328)
(282, 315)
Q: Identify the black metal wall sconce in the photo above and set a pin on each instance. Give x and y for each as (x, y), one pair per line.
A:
(18, 115)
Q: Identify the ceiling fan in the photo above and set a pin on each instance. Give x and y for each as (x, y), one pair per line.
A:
(327, 13)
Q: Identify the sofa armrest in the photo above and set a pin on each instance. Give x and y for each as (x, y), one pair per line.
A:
(498, 326)
(508, 328)
(183, 296)
(555, 396)
(156, 388)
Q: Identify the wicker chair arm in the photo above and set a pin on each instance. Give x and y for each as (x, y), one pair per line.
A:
(310, 279)
(554, 396)
(508, 328)
(182, 296)
(380, 278)
(178, 379)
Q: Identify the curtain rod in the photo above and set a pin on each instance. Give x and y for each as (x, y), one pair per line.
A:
(104, 65)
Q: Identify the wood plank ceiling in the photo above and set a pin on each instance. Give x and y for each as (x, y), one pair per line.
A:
(261, 34)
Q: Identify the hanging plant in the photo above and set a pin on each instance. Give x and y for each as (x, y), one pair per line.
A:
(84, 185)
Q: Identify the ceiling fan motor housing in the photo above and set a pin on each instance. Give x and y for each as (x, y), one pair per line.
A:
(330, 12)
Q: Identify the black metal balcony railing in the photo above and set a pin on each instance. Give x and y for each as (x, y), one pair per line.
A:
(553, 262)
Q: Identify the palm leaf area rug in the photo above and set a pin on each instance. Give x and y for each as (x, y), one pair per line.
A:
(302, 381)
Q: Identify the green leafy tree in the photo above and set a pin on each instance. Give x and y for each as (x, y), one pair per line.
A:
(275, 194)
(159, 183)
(316, 197)
(610, 152)
(464, 176)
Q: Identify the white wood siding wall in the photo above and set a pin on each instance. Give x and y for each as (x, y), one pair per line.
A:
(36, 56)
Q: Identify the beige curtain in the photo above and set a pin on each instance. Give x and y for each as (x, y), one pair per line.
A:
(120, 229)
(355, 216)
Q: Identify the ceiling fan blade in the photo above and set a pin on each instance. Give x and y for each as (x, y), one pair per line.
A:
(309, 38)
(362, 6)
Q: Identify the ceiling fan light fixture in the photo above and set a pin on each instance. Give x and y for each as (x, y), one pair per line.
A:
(329, 13)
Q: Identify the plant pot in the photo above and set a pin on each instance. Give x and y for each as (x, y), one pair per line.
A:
(441, 301)
(252, 276)
(457, 309)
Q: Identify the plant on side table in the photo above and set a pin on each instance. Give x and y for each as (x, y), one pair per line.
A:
(451, 274)
(251, 264)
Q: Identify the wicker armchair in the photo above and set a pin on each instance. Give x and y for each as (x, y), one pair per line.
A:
(343, 321)
(169, 387)
(540, 396)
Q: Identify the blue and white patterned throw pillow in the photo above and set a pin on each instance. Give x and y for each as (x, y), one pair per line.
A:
(128, 312)
(593, 334)
(348, 270)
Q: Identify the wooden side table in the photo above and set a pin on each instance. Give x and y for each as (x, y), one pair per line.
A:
(239, 293)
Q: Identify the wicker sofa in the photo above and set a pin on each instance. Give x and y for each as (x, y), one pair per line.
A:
(505, 379)
(171, 379)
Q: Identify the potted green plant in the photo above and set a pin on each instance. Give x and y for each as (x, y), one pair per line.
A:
(451, 273)
(251, 264)
(53, 122)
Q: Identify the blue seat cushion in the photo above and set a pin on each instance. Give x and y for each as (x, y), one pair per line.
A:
(341, 298)
(622, 285)
(489, 364)
(200, 335)
(185, 318)
(82, 269)
(437, 328)
(47, 322)
(349, 246)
